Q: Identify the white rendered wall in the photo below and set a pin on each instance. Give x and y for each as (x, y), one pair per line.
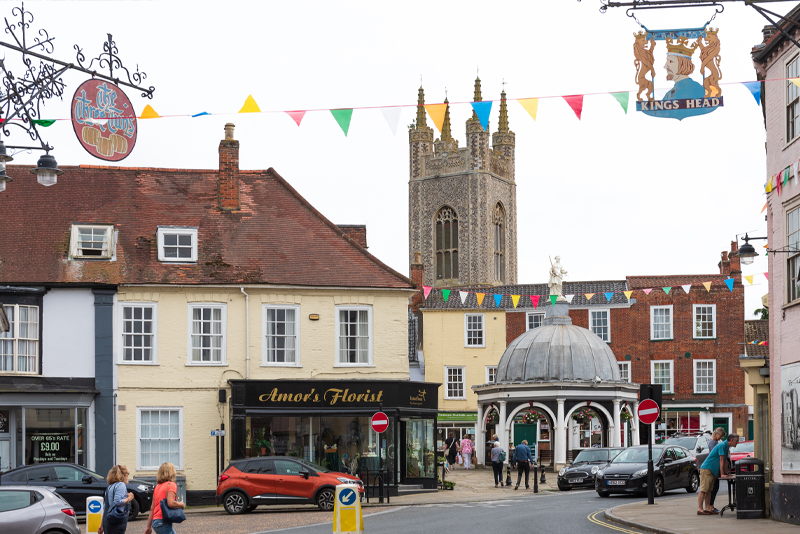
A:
(68, 333)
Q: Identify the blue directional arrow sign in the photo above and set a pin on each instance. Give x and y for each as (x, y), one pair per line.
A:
(95, 507)
(347, 496)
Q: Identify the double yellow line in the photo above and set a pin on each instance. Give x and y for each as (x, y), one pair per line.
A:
(593, 519)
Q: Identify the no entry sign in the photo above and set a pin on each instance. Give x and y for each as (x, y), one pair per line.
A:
(380, 422)
(648, 411)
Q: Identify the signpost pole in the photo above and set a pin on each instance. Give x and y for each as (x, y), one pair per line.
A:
(217, 457)
(650, 490)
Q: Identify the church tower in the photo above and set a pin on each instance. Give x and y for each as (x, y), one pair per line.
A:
(463, 201)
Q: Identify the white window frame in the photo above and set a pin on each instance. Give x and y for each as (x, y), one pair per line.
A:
(139, 410)
(14, 324)
(787, 62)
(179, 230)
(528, 317)
(337, 356)
(714, 375)
(591, 326)
(671, 374)
(627, 366)
(264, 351)
(447, 369)
(111, 242)
(694, 320)
(224, 318)
(792, 213)
(653, 323)
(466, 330)
(489, 369)
(154, 349)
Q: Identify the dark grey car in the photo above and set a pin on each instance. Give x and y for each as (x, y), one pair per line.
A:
(35, 511)
(697, 445)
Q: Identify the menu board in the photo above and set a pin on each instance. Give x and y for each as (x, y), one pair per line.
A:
(47, 447)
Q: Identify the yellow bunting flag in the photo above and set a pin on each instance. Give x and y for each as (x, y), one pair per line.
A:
(749, 279)
(628, 294)
(436, 113)
(795, 81)
(149, 113)
(515, 300)
(707, 285)
(479, 296)
(588, 296)
(531, 105)
(250, 106)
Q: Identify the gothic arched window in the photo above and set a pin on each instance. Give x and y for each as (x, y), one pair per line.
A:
(499, 243)
(446, 244)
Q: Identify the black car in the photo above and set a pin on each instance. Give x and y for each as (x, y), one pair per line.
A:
(75, 483)
(697, 445)
(673, 467)
(580, 473)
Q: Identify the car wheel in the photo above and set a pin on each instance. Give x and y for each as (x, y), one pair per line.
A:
(658, 487)
(134, 513)
(235, 503)
(694, 483)
(603, 493)
(325, 500)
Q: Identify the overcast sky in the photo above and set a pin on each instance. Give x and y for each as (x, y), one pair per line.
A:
(612, 194)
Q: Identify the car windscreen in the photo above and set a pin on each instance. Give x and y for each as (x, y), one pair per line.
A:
(636, 455)
(688, 443)
(744, 447)
(591, 456)
(315, 467)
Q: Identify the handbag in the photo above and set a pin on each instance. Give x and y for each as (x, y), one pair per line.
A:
(171, 515)
(502, 457)
(459, 459)
(115, 514)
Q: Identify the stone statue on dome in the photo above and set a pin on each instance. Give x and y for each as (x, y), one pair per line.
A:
(557, 273)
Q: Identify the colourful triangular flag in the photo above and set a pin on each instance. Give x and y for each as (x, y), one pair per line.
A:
(729, 283)
(535, 301)
(426, 290)
(622, 98)
(628, 294)
(795, 81)
(480, 296)
(647, 291)
(436, 113)
(686, 288)
(202, 113)
(666, 289)
(44, 123)
(576, 103)
(250, 106)
(343, 117)
(149, 113)
(445, 294)
(296, 116)
(766, 275)
(765, 207)
(392, 116)
(515, 300)
(483, 110)
(707, 285)
(531, 105)
(755, 90)
(588, 296)
(569, 298)
(609, 295)
(749, 279)
(553, 299)
(497, 299)
(463, 295)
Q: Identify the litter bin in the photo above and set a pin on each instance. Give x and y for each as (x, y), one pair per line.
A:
(750, 488)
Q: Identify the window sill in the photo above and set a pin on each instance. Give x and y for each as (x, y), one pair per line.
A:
(704, 393)
(134, 364)
(280, 365)
(204, 364)
(792, 304)
(704, 338)
(475, 346)
(354, 365)
(178, 262)
(665, 339)
(455, 398)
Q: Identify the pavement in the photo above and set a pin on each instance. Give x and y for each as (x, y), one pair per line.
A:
(680, 516)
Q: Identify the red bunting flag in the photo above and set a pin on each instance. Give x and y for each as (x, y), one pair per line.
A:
(535, 300)
(576, 103)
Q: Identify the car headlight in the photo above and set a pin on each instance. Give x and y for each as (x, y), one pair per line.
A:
(640, 473)
(595, 469)
(563, 470)
(144, 488)
(344, 480)
(599, 473)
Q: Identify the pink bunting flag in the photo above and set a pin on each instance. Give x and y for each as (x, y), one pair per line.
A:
(297, 116)
(647, 291)
(576, 103)
(535, 300)
(766, 275)
(426, 290)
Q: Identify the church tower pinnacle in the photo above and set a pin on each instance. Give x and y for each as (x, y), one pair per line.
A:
(422, 121)
(476, 97)
(446, 143)
(420, 138)
(504, 140)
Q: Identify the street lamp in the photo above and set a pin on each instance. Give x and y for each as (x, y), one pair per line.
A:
(47, 171)
(4, 157)
(747, 253)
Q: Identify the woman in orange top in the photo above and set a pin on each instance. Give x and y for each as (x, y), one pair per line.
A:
(166, 489)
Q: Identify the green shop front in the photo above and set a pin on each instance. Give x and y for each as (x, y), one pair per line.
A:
(461, 424)
(328, 422)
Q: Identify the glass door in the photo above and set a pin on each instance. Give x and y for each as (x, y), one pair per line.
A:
(5, 454)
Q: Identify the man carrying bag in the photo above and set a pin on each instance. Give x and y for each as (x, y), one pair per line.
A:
(523, 460)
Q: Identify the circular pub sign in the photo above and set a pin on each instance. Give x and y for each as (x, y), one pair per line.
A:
(104, 120)
(380, 422)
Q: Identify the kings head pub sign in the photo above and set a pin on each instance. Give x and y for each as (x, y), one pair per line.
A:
(687, 97)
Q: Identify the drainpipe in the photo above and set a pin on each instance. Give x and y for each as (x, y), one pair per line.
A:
(247, 330)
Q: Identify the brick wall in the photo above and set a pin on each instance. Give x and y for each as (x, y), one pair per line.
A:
(228, 183)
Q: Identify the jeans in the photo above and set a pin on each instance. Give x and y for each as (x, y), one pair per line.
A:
(714, 493)
(160, 527)
(526, 468)
(497, 467)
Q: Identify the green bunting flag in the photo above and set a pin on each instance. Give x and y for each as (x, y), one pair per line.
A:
(445, 294)
(666, 289)
(44, 123)
(553, 299)
(622, 98)
(343, 117)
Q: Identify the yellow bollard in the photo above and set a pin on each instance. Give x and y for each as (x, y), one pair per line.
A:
(347, 518)
(94, 514)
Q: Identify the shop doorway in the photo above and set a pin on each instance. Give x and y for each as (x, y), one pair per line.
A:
(722, 422)
(5, 454)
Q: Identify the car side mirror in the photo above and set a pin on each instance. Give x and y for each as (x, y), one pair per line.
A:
(666, 460)
(305, 473)
(87, 479)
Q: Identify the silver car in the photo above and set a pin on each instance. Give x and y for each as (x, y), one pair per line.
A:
(27, 510)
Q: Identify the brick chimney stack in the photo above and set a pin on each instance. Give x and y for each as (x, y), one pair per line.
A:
(731, 264)
(416, 277)
(228, 181)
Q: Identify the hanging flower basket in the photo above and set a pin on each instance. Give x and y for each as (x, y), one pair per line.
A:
(531, 417)
(625, 416)
(492, 418)
(583, 415)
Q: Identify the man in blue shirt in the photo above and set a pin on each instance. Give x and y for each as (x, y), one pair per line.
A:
(523, 459)
(713, 468)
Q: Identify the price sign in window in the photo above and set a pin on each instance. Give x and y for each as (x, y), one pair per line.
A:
(49, 435)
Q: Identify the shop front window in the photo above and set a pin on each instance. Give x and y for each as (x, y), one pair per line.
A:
(420, 452)
(49, 435)
(677, 423)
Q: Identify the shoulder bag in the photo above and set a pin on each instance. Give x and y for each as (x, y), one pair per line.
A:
(116, 515)
(171, 515)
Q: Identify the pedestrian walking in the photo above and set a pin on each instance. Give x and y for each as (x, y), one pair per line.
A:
(498, 457)
(716, 437)
(166, 489)
(117, 502)
(466, 451)
(713, 468)
(523, 459)
(450, 448)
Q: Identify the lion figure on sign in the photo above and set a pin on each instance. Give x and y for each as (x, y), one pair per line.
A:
(643, 61)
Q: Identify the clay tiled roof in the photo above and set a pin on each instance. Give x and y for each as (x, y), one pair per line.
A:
(276, 238)
(756, 330)
(672, 280)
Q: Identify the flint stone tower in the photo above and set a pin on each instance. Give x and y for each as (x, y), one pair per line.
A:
(463, 201)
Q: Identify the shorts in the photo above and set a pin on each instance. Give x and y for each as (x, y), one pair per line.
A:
(162, 527)
(707, 480)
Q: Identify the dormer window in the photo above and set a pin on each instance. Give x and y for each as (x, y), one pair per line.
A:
(177, 244)
(92, 241)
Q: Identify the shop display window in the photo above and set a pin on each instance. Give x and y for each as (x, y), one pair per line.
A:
(676, 423)
(49, 435)
(420, 452)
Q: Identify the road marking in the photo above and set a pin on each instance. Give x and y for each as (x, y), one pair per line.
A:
(593, 519)
(329, 522)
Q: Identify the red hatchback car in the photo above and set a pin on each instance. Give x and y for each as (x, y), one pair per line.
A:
(268, 480)
(745, 449)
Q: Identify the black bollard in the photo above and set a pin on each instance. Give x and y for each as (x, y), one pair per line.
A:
(542, 481)
(535, 478)
(508, 475)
